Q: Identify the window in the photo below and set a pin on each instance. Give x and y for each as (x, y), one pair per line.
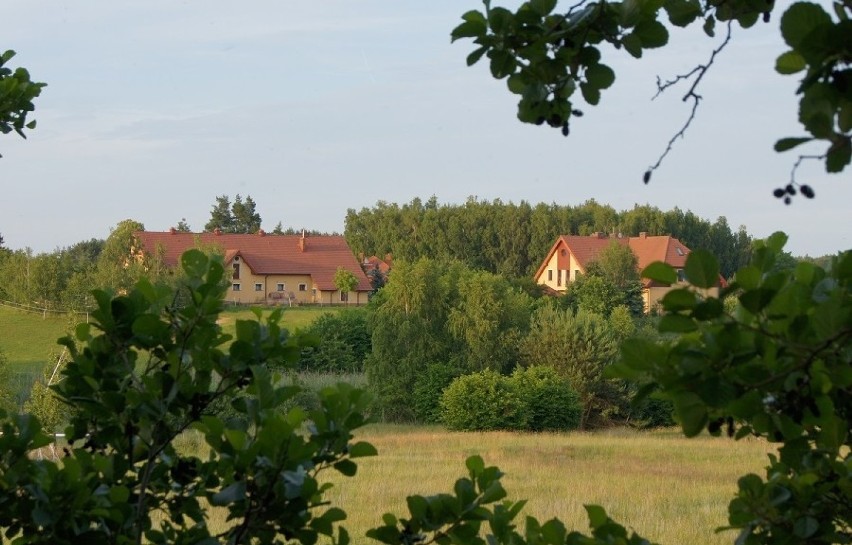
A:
(344, 296)
(236, 271)
(258, 287)
(303, 287)
(235, 286)
(559, 277)
(550, 275)
(680, 276)
(576, 274)
(280, 287)
(678, 251)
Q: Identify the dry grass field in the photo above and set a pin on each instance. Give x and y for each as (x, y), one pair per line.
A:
(670, 489)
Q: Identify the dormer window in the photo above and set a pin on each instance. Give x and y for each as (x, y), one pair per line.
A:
(678, 251)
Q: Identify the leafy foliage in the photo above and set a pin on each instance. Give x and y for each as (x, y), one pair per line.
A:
(778, 367)
(552, 403)
(146, 372)
(483, 401)
(533, 399)
(547, 51)
(343, 342)
(345, 280)
(432, 311)
(578, 347)
(511, 239)
(17, 93)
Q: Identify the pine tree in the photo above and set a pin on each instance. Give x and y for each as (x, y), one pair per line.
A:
(220, 216)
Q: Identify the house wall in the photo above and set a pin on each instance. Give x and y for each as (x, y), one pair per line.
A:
(653, 295)
(268, 292)
(566, 264)
(551, 270)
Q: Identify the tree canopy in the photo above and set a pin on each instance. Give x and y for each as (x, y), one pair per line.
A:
(239, 217)
(547, 50)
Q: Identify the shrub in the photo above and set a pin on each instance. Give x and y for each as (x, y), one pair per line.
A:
(344, 342)
(483, 401)
(552, 404)
(429, 386)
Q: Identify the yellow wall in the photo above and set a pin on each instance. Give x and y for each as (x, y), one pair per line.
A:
(652, 296)
(551, 266)
(269, 294)
(568, 275)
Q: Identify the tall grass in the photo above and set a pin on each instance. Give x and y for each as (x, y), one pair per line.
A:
(670, 489)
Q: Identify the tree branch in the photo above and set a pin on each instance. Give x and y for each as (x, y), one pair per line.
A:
(700, 70)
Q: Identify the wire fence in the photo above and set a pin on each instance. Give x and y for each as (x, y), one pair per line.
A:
(44, 311)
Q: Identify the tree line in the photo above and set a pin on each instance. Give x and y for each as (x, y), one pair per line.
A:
(512, 239)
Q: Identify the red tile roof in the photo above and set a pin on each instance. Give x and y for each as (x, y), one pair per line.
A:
(268, 254)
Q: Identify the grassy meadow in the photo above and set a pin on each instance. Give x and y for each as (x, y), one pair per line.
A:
(27, 339)
(670, 489)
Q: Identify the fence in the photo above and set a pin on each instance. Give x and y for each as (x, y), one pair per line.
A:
(43, 310)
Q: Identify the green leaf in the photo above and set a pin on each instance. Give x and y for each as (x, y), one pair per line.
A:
(839, 156)
(702, 269)
(790, 63)
(633, 45)
(477, 54)
(682, 12)
(362, 449)
(500, 20)
(600, 76)
(475, 465)
(681, 299)
(469, 29)
(346, 467)
(232, 493)
(691, 412)
(597, 516)
(543, 7)
(417, 506)
(776, 241)
(801, 19)
(676, 323)
(789, 143)
(194, 263)
(502, 63)
(710, 26)
(591, 93)
(651, 33)
(660, 272)
(805, 527)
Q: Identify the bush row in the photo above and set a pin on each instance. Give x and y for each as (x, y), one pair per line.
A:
(533, 399)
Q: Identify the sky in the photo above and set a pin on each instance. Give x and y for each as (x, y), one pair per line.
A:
(154, 108)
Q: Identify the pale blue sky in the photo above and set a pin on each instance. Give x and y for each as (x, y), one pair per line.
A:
(153, 108)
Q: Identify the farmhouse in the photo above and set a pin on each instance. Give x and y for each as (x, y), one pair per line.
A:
(570, 255)
(270, 269)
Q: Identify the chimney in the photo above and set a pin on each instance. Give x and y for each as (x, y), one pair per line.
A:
(302, 242)
(217, 231)
(261, 232)
(172, 230)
